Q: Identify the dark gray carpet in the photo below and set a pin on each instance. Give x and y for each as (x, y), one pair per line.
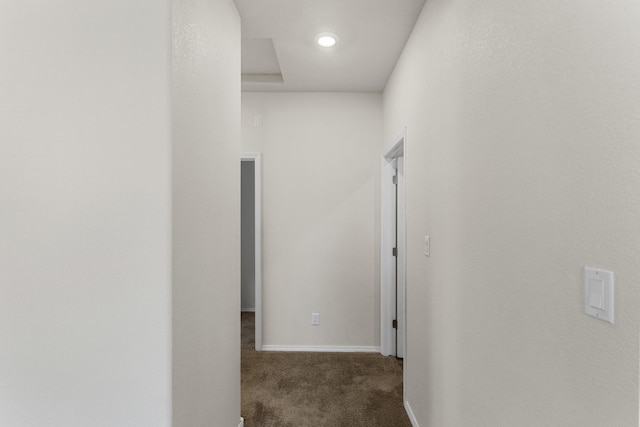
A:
(319, 389)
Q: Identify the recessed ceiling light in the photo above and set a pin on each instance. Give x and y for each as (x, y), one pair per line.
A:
(326, 39)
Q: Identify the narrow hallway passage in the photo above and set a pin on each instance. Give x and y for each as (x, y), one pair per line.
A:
(319, 389)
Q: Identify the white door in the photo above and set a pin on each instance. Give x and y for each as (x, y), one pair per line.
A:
(393, 250)
(400, 259)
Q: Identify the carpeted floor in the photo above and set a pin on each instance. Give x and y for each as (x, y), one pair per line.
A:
(319, 389)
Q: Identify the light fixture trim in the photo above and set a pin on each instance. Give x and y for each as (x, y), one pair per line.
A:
(327, 40)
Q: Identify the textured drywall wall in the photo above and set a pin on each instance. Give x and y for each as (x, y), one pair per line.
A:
(248, 238)
(320, 169)
(205, 89)
(522, 166)
(84, 214)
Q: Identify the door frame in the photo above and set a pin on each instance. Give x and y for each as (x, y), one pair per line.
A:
(256, 158)
(396, 151)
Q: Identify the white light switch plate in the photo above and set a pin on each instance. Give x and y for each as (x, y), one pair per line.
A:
(599, 294)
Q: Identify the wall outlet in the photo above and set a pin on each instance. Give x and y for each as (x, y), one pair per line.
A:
(315, 319)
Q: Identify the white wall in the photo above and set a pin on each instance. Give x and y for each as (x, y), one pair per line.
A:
(84, 214)
(523, 162)
(248, 238)
(320, 169)
(206, 213)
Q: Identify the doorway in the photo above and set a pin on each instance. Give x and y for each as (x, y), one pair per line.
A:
(251, 240)
(393, 249)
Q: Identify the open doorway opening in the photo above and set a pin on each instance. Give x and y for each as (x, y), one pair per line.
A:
(393, 337)
(251, 243)
(393, 249)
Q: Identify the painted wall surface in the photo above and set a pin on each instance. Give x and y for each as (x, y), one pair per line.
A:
(321, 160)
(248, 238)
(206, 212)
(85, 214)
(523, 162)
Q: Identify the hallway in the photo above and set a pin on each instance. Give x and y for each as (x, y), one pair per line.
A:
(318, 389)
(122, 126)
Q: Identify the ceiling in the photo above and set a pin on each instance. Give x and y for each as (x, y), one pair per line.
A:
(279, 53)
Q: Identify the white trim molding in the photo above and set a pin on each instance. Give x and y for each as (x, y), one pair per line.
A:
(322, 348)
(410, 414)
(241, 424)
(256, 158)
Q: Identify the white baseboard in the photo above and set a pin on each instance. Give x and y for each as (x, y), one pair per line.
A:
(241, 422)
(322, 348)
(412, 417)
(248, 310)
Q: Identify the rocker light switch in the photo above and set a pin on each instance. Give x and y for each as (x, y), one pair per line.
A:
(598, 288)
(596, 294)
